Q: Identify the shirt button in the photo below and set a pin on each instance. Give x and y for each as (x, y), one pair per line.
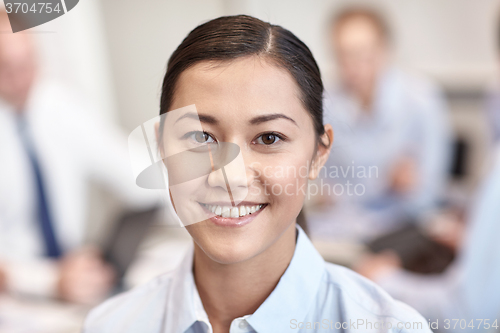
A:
(243, 324)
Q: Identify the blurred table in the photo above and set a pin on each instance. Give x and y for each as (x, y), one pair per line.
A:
(28, 315)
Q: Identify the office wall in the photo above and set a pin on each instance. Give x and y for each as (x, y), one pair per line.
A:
(141, 35)
(73, 50)
(452, 40)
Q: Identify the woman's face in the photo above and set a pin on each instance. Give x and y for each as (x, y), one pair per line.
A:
(254, 104)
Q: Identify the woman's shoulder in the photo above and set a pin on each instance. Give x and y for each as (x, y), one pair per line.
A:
(132, 310)
(368, 301)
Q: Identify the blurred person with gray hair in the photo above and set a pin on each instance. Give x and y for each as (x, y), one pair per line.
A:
(51, 147)
(392, 144)
(468, 291)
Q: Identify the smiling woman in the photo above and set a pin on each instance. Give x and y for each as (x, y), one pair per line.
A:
(251, 268)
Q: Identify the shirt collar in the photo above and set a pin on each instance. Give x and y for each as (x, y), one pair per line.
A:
(291, 299)
(298, 287)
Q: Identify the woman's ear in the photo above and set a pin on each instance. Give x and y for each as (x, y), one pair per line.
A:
(322, 152)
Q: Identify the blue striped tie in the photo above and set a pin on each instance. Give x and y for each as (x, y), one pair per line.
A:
(52, 248)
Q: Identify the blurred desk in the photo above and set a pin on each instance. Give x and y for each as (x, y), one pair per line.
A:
(27, 315)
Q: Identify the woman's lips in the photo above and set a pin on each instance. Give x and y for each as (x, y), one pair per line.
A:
(229, 216)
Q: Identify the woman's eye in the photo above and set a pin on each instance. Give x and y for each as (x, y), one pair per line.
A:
(202, 137)
(268, 139)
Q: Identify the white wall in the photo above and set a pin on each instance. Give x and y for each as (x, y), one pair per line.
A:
(141, 35)
(73, 50)
(452, 40)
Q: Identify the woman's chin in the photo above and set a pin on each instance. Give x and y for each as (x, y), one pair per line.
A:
(229, 251)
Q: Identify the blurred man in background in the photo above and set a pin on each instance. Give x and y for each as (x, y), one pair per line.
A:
(469, 289)
(51, 145)
(392, 138)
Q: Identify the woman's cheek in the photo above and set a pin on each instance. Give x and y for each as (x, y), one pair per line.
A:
(286, 181)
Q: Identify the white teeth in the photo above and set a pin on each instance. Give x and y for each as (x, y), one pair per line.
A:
(233, 212)
(226, 212)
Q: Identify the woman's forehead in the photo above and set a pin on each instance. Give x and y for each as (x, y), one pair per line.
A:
(243, 83)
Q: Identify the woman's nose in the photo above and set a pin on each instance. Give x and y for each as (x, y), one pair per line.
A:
(235, 177)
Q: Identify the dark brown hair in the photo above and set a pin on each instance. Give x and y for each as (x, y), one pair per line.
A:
(230, 37)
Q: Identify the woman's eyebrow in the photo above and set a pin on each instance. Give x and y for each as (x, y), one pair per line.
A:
(269, 117)
(254, 121)
(203, 118)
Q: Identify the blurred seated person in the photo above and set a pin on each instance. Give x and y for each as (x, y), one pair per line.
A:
(51, 147)
(392, 139)
(469, 289)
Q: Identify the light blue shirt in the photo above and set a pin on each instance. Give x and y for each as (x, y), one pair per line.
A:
(310, 292)
(408, 119)
(470, 288)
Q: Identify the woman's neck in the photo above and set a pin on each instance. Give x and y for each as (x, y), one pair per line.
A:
(229, 291)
